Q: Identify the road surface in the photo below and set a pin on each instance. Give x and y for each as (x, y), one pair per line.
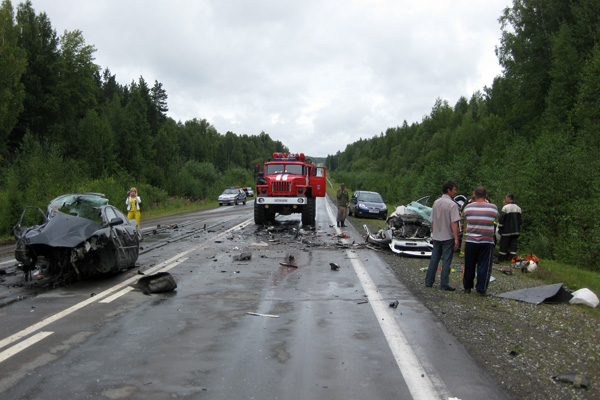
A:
(281, 325)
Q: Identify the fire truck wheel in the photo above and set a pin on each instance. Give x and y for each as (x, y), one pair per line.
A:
(309, 212)
(259, 214)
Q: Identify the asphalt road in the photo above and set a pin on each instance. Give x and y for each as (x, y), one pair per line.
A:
(281, 325)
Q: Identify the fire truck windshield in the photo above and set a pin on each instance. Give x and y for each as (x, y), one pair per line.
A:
(271, 169)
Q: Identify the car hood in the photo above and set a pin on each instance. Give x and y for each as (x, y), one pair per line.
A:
(372, 204)
(62, 230)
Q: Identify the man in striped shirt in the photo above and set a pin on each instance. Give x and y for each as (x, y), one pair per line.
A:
(479, 247)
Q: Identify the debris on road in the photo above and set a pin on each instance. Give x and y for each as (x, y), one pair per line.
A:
(242, 257)
(262, 315)
(157, 283)
(334, 266)
(289, 261)
(542, 294)
(394, 304)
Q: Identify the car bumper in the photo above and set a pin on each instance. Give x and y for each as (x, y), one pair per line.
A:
(412, 247)
(360, 212)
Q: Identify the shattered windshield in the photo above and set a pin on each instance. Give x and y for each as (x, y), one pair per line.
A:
(82, 205)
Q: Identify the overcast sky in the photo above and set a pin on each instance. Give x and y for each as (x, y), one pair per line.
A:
(315, 74)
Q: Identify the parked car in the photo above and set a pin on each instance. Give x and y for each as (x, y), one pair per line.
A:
(367, 204)
(79, 235)
(249, 191)
(232, 195)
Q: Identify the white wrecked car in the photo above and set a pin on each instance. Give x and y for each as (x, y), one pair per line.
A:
(408, 229)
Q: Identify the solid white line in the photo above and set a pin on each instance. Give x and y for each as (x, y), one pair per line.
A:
(23, 345)
(418, 382)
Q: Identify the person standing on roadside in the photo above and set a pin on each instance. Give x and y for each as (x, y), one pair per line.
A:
(479, 247)
(342, 203)
(444, 236)
(509, 227)
(133, 205)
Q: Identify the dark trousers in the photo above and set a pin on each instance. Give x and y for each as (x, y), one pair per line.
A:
(478, 256)
(508, 247)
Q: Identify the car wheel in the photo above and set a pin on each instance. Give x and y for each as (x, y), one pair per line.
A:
(244, 203)
(236, 202)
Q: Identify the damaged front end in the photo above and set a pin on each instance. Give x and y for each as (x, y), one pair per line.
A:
(408, 230)
(81, 235)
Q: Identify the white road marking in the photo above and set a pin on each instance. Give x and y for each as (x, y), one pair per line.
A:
(8, 262)
(164, 266)
(23, 345)
(417, 380)
(116, 295)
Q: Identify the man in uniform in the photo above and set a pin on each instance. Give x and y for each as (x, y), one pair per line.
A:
(509, 227)
(342, 203)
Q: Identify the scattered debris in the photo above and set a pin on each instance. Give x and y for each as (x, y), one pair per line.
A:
(243, 257)
(157, 283)
(394, 304)
(550, 294)
(585, 296)
(578, 380)
(363, 302)
(263, 315)
(334, 266)
(288, 265)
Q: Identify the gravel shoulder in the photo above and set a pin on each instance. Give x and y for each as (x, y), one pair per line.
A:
(521, 345)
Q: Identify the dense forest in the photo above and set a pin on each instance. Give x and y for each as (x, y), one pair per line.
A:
(68, 126)
(534, 133)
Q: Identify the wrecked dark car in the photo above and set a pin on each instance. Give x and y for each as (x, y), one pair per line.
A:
(80, 235)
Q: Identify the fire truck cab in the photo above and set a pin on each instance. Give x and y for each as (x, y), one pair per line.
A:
(288, 184)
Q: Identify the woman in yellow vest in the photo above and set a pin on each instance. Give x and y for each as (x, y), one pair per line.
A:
(133, 205)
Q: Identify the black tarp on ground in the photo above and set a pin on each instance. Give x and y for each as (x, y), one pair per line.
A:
(551, 294)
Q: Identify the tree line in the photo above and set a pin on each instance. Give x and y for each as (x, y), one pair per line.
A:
(68, 126)
(535, 132)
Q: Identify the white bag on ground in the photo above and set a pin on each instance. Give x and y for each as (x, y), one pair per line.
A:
(585, 296)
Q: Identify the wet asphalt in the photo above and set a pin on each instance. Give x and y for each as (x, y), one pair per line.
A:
(280, 325)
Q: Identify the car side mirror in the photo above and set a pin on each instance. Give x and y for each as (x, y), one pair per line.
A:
(115, 221)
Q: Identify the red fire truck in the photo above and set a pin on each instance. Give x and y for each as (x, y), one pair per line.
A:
(288, 184)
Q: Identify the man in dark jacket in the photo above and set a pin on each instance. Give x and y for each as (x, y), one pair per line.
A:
(509, 227)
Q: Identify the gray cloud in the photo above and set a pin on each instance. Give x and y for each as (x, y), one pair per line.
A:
(316, 75)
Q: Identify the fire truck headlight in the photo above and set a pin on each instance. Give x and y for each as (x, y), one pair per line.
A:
(300, 200)
(261, 200)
